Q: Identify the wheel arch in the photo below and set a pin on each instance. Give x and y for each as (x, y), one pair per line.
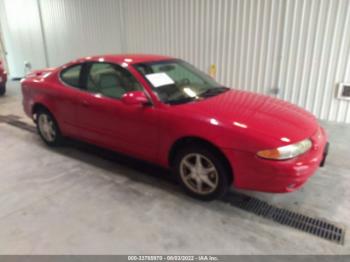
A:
(193, 140)
(41, 106)
(37, 110)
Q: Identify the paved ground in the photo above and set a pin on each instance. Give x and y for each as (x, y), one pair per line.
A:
(72, 200)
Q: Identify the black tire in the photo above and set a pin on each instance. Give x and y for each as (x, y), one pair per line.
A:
(57, 137)
(223, 173)
(2, 90)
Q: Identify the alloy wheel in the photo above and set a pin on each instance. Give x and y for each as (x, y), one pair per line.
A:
(47, 127)
(199, 173)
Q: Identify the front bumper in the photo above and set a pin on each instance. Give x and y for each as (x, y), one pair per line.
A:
(254, 173)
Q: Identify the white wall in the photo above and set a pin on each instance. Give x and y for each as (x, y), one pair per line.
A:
(234, 35)
(21, 28)
(76, 28)
(52, 32)
(301, 47)
(316, 56)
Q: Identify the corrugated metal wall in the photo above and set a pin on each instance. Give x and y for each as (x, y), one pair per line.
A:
(243, 38)
(20, 24)
(301, 47)
(316, 56)
(81, 28)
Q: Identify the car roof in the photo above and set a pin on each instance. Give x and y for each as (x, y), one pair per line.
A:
(125, 58)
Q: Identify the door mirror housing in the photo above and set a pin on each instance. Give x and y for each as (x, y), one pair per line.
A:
(135, 98)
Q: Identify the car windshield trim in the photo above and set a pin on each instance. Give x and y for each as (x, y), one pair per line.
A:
(176, 82)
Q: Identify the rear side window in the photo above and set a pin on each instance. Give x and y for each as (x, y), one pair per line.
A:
(71, 75)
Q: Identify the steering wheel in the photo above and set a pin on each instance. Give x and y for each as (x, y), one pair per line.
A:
(183, 82)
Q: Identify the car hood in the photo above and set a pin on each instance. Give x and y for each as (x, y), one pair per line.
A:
(256, 116)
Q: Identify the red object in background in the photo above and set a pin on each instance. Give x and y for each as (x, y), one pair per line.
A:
(3, 78)
(238, 124)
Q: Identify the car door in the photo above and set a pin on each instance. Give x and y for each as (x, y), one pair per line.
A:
(66, 98)
(105, 120)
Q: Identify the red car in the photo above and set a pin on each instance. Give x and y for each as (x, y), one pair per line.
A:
(3, 79)
(167, 112)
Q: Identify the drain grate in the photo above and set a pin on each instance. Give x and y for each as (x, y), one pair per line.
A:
(310, 225)
(314, 226)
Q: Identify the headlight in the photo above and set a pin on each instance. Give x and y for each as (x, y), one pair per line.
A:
(286, 152)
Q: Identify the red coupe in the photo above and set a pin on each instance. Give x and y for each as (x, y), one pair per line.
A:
(165, 111)
(3, 79)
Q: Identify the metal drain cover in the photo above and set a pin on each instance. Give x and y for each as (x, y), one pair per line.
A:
(314, 226)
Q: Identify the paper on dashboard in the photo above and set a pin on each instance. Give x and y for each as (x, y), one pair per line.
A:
(159, 79)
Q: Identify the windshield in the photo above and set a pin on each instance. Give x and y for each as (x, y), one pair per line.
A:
(177, 82)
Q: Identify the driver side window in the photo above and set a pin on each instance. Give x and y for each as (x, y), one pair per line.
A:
(110, 80)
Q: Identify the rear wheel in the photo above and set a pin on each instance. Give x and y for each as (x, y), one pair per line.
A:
(47, 128)
(2, 90)
(202, 174)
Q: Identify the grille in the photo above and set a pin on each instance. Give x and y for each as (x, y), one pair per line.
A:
(314, 226)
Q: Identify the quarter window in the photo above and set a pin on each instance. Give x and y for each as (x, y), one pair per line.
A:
(71, 75)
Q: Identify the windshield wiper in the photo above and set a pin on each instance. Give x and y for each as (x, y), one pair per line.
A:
(182, 100)
(214, 91)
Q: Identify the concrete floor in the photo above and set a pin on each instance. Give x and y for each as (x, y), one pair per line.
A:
(73, 201)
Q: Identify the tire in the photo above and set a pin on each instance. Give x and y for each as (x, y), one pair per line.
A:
(206, 181)
(48, 129)
(2, 90)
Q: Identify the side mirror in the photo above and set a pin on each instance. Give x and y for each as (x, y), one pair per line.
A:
(135, 98)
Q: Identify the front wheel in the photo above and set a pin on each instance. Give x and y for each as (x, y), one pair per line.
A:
(48, 128)
(2, 90)
(202, 173)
